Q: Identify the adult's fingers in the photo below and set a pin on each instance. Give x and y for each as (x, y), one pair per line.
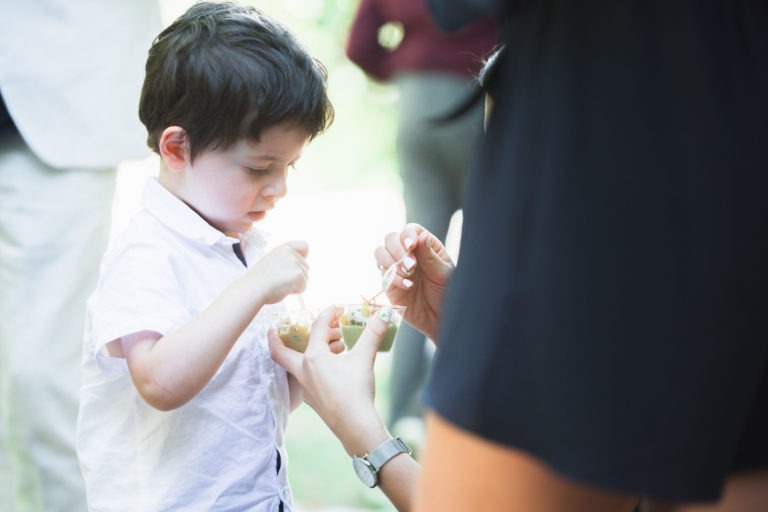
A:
(282, 355)
(368, 343)
(431, 254)
(324, 328)
(388, 253)
(337, 346)
(394, 246)
(410, 234)
(383, 258)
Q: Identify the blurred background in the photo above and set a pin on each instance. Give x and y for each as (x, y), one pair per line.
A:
(344, 196)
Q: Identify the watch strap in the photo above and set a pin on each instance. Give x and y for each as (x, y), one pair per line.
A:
(385, 451)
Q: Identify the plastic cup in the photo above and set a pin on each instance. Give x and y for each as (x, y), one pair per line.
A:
(355, 317)
(293, 327)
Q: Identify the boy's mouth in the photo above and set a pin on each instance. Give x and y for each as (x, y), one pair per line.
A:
(257, 216)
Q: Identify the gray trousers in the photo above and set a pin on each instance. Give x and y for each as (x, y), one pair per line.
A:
(54, 226)
(433, 161)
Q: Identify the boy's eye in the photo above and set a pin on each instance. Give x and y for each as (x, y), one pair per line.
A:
(258, 172)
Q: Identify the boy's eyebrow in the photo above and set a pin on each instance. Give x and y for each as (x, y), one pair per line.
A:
(271, 158)
(262, 157)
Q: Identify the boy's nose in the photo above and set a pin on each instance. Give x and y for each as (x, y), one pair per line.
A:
(279, 186)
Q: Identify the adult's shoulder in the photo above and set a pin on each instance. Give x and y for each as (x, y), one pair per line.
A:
(452, 15)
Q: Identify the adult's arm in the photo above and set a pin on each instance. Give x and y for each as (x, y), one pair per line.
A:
(340, 388)
(463, 471)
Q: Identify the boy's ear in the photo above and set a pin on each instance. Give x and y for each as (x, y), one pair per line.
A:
(174, 148)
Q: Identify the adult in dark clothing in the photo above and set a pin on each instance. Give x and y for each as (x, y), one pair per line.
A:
(603, 335)
(615, 241)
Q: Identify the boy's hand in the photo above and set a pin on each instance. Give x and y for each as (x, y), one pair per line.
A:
(422, 287)
(282, 271)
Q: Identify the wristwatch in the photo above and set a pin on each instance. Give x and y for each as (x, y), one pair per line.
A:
(367, 467)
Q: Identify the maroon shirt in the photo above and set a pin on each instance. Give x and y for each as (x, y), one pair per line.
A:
(423, 48)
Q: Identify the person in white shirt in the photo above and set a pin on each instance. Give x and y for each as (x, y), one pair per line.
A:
(181, 406)
(70, 73)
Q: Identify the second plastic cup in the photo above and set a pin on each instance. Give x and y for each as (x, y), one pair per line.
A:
(355, 317)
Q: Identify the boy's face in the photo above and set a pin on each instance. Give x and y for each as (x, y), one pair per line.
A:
(234, 188)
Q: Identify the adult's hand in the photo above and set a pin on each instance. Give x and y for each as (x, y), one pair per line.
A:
(339, 387)
(421, 282)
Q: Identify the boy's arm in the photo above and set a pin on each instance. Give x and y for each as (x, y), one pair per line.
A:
(169, 371)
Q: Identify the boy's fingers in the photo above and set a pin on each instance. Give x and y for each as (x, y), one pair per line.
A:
(299, 246)
(282, 355)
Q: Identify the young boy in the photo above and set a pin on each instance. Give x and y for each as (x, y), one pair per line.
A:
(181, 406)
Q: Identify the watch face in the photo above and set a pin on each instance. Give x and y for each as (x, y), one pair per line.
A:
(365, 471)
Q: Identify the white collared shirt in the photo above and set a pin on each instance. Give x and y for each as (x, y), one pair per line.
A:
(217, 452)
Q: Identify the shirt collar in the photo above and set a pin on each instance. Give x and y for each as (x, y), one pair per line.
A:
(177, 216)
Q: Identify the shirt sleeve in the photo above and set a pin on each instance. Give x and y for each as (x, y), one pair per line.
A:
(138, 291)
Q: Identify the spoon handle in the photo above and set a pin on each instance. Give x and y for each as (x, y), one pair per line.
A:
(389, 275)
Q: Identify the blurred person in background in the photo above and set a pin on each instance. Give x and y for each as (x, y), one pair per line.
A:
(396, 41)
(70, 76)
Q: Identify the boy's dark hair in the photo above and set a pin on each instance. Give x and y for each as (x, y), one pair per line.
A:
(223, 72)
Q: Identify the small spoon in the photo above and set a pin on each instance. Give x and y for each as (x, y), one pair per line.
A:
(389, 275)
(387, 278)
